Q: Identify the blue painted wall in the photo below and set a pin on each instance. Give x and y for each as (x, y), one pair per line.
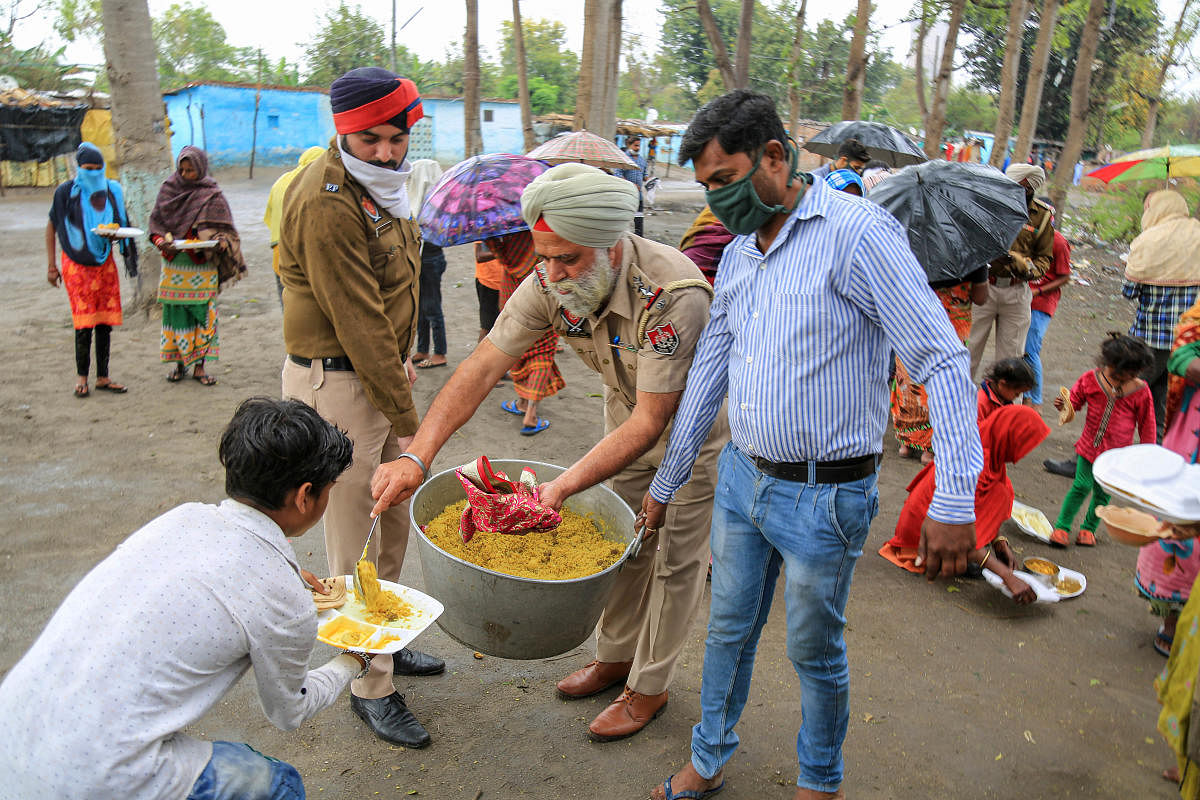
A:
(289, 122)
(446, 122)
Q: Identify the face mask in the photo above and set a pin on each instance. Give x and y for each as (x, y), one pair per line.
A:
(92, 180)
(738, 205)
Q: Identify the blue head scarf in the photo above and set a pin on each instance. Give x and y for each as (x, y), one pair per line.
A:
(87, 183)
(842, 178)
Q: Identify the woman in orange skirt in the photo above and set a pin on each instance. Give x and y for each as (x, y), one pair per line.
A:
(80, 207)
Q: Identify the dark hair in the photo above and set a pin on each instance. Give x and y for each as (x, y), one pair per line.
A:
(853, 150)
(1016, 372)
(741, 121)
(273, 446)
(1124, 354)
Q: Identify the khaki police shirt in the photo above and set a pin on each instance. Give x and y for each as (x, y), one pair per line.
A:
(1035, 241)
(350, 279)
(670, 320)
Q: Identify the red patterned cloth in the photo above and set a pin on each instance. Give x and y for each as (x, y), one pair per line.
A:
(535, 376)
(498, 504)
(94, 292)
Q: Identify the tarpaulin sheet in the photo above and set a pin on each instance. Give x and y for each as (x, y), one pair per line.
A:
(39, 133)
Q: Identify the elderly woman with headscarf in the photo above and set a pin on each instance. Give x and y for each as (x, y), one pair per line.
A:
(1162, 275)
(191, 207)
(83, 217)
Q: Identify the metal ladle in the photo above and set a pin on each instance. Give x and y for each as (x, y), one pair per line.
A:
(358, 587)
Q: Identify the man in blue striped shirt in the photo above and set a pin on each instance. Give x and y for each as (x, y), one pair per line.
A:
(811, 299)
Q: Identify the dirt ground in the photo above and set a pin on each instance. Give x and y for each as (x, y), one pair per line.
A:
(955, 691)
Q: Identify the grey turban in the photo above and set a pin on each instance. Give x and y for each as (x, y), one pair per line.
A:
(1020, 172)
(582, 204)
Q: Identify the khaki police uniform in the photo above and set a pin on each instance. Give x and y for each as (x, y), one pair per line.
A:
(642, 340)
(1009, 295)
(350, 279)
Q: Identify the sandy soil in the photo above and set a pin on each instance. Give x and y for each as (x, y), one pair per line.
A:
(955, 691)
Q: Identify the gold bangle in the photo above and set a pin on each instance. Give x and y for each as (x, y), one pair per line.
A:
(985, 558)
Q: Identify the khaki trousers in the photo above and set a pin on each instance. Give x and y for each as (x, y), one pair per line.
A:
(647, 616)
(339, 398)
(1007, 307)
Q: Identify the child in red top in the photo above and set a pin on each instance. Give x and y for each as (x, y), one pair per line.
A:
(1003, 383)
(1117, 401)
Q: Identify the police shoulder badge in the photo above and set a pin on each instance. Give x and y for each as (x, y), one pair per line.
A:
(663, 338)
(332, 187)
(575, 325)
(368, 207)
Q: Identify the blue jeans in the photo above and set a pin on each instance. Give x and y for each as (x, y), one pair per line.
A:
(1038, 322)
(430, 321)
(239, 772)
(816, 531)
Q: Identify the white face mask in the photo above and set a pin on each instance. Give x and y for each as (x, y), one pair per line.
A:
(588, 292)
(389, 187)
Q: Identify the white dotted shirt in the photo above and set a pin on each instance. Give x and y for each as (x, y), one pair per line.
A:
(147, 643)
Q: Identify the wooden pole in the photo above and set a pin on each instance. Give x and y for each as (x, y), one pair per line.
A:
(254, 125)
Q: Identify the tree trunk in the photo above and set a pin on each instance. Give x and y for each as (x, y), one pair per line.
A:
(720, 53)
(522, 78)
(1081, 87)
(612, 72)
(473, 136)
(1018, 11)
(856, 65)
(1035, 80)
(941, 92)
(583, 93)
(922, 31)
(794, 69)
(138, 113)
(1168, 60)
(741, 65)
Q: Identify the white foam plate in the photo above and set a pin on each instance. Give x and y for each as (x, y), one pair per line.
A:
(195, 244)
(1151, 478)
(427, 610)
(118, 233)
(1019, 506)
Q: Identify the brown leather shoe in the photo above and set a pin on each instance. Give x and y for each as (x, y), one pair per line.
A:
(593, 679)
(626, 715)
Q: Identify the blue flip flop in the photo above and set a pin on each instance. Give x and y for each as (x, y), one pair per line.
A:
(689, 794)
(511, 407)
(530, 430)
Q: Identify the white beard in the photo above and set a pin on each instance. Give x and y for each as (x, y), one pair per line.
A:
(587, 293)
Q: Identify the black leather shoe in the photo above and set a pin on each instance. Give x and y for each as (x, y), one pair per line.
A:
(391, 720)
(414, 662)
(1066, 467)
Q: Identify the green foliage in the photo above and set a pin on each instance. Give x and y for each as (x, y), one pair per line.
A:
(547, 58)
(39, 68)
(1117, 215)
(970, 109)
(346, 38)
(543, 96)
(687, 60)
(79, 19)
(191, 46)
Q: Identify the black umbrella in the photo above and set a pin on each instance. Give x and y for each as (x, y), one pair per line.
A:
(884, 143)
(959, 216)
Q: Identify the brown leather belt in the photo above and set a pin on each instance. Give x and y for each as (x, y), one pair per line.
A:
(841, 471)
(331, 363)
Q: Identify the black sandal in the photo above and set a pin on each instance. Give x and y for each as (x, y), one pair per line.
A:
(177, 375)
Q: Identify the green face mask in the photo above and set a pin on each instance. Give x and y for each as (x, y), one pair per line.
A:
(738, 205)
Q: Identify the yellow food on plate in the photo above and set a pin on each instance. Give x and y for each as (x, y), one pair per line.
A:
(345, 632)
(381, 605)
(1034, 520)
(575, 549)
(1067, 586)
(1041, 566)
(108, 226)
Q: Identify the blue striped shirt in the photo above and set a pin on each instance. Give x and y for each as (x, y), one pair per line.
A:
(801, 339)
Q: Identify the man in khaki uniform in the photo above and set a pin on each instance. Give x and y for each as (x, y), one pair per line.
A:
(633, 310)
(349, 260)
(1009, 295)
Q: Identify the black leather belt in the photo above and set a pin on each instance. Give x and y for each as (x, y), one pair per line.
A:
(332, 363)
(841, 471)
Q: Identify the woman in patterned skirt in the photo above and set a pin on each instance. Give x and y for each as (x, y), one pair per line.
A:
(190, 206)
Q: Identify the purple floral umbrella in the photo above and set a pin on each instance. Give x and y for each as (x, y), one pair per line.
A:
(477, 199)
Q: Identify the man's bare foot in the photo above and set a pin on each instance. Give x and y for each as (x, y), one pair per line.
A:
(687, 779)
(926, 456)
(813, 794)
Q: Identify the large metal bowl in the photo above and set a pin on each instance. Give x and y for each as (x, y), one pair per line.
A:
(503, 615)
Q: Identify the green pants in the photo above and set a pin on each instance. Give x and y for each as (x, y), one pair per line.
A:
(1084, 485)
